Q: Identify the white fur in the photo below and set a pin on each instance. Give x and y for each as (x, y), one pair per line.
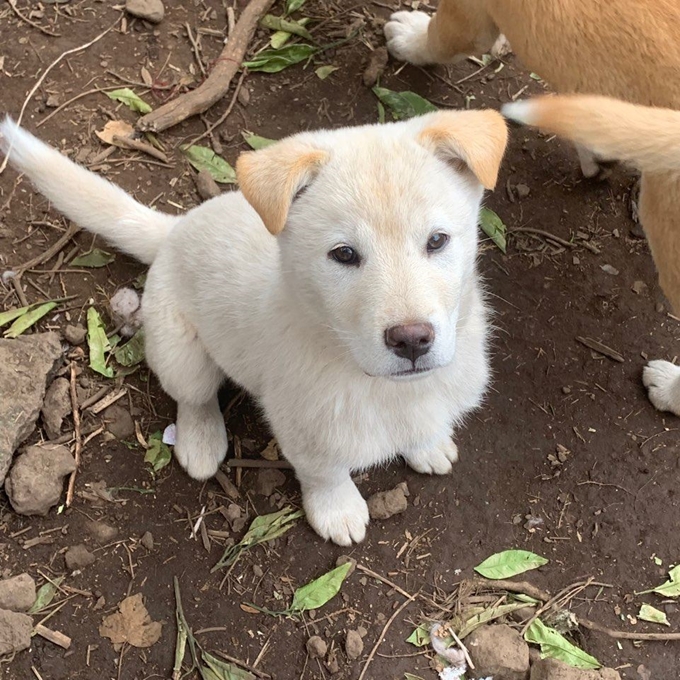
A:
(522, 111)
(300, 332)
(406, 34)
(662, 380)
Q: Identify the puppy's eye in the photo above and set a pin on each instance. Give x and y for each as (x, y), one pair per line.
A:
(345, 255)
(437, 241)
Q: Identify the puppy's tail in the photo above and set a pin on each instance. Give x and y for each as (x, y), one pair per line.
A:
(89, 200)
(646, 137)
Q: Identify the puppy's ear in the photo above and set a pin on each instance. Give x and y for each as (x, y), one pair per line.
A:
(475, 138)
(271, 177)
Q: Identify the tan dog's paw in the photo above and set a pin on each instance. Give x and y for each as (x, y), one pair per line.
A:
(339, 514)
(406, 34)
(662, 380)
(436, 461)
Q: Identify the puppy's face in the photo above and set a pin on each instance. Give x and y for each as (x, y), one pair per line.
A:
(380, 239)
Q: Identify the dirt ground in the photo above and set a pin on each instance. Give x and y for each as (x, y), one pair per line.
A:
(606, 511)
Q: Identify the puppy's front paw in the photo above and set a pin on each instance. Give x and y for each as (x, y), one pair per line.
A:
(337, 513)
(662, 380)
(201, 440)
(435, 461)
(406, 34)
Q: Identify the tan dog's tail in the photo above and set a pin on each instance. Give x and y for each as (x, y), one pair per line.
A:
(646, 137)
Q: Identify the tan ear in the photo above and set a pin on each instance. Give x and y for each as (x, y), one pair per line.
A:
(270, 178)
(477, 138)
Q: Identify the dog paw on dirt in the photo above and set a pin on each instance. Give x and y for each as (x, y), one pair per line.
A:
(662, 380)
(406, 34)
(436, 461)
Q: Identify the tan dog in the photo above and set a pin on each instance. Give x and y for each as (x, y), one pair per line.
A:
(628, 49)
(649, 139)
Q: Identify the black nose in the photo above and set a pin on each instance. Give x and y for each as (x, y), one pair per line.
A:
(411, 340)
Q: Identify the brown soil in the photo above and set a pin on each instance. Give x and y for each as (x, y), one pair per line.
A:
(606, 511)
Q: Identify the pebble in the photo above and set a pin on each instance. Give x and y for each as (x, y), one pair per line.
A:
(147, 540)
(78, 557)
(17, 593)
(15, 632)
(151, 10)
(75, 334)
(354, 645)
(316, 647)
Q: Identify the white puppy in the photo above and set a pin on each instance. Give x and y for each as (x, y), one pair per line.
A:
(339, 288)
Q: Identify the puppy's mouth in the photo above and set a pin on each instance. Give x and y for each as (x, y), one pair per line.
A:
(412, 372)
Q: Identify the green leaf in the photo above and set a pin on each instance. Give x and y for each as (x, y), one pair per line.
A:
(509, 563)
(203, 158)
(381, 113)
(45, 595)
(26, 320)
(324, 71)
(493, 227)
(653, 615)
(158, 455)
(132, 352)
(420, 636)
(130, 99)
(535, 76)
(294, 5)
(98, 343)
(95, 258)
(11, 314)
(319, 591)
(263, 528)
(223, 670)
(256, 142)
(555, 646)
(487, 615)
(275, 60)
(403, 105)
(670, 588)
(410, 676)
(280, 24)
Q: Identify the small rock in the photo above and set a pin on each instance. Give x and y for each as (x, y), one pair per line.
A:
(268, 480)
(15, 632)
(17, 593)
(638, 287)
(36, 481)
(551, 669)
(75, 334)
(56, 407)
(101, 532)
(522, 191)
(244, 96)
(147, 540)
(385, 504)
(608, 269)
(354, 645)
(316, 647)
(119, 422)
(499, 651)
(258, 573)
(53, 101)
(232, 513)
(376, 66)
(206, 186)
(343, 559)
(151, 10)
(78, 557)
(126, 308)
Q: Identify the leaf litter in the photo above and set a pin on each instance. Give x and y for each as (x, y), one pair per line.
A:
(29, 316)
(126, 96)
(494, 227)
(204, 158)
(509, 563)
(131, 624)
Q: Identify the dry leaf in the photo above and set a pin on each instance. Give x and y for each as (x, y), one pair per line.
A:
(271, 451)
(114, 128)
(146, 76)
(131, 624)
(248, 609)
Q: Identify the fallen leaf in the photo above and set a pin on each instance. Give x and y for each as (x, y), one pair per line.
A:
(271, 451)
(126, 96)
(256, 142)
(420, 636)
(98, 343)
(403, 105)
(45, 595)
(158, 455)
(321, 590)
(288, 26)
(203, 158)
(556, 646)
(509, 563)
(132, 352)
(96, 258)
(670, 588)
(324, 71)
(11, 314)
(486, 615)
(294, 5)
(114, 128)
(131, 624)
(223, 670)
(248, 609)
(493, 227)
(275, 60)
(26, 320)
(653, 615)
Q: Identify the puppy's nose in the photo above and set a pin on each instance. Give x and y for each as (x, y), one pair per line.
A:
(411, 340)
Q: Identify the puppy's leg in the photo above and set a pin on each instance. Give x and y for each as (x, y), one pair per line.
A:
(437, 460)
(459, 28)
(662, 380)
(176, 355)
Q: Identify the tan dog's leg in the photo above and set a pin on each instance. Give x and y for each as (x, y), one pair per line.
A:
(459, 28)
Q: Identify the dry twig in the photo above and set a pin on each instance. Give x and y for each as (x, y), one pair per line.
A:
(79, 440)
(15, 9)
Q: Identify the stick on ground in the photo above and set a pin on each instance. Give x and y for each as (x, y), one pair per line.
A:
(79, 440)
(217, 83)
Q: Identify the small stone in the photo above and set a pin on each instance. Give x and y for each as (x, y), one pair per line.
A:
(362, 631)
(119, 422)
(608, 269)
(376, 66)
(78, 557)
(101, 532)
(522, 191)
(53, 101)
(354, 645)
(268, 480)
(257, 571)
(551, 669)
(56, 407)
(206, 186)
(151, 10)
(75, 334)
(499, 651)
(638, 287)
(15, 632)
(147, 540)
(244, 96)
(316, 647)
(343, 559)
(36, 481)
(17, 593)
(385, 504)
(660, 307)
(232, 512)
(566, 390)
